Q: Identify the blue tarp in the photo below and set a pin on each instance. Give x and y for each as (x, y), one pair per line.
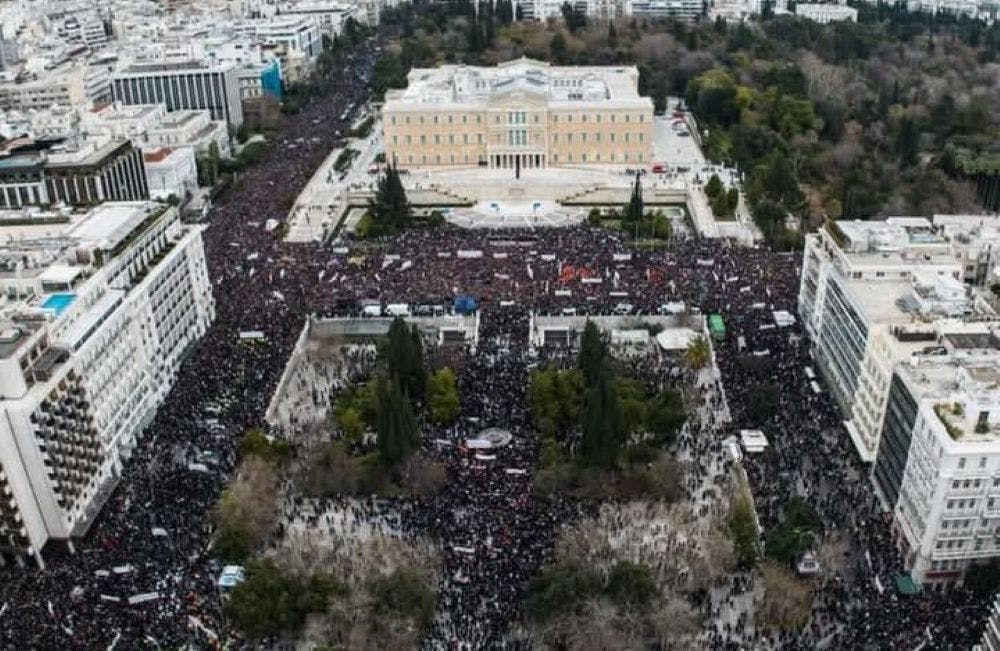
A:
(465, 304)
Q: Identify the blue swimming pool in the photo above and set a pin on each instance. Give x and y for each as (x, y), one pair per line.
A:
(58, 302)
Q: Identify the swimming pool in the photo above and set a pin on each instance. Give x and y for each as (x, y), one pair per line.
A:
(58, 302)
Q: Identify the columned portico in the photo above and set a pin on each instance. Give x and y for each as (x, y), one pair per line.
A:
(510, 160)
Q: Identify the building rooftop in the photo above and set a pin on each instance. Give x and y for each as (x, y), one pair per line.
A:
(477, 86)
(110, 223)
(963, 390)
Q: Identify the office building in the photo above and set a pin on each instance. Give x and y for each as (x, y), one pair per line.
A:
(522, 113)
(938, 463)
(873, 293)
(183, 85)
(100, 307)
(44, 172)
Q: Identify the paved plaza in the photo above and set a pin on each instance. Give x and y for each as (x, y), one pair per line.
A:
(333, 202)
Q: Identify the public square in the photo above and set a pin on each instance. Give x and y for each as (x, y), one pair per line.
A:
(145, 575)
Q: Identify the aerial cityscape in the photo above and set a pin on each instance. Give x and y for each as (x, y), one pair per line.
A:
(521, 324)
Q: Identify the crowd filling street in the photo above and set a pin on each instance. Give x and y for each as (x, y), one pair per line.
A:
(493, 533)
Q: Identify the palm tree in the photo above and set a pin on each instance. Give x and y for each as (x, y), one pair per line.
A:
(698, 353)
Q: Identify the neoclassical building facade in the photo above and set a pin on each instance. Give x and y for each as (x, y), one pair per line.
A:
(521, 113)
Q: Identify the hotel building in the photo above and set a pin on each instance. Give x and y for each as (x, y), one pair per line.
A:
(522, 113)
(98, 309)
(875, 292)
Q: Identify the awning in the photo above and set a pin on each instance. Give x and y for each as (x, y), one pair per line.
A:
(905, 584)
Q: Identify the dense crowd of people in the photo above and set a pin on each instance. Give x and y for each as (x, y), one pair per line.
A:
(494, 533)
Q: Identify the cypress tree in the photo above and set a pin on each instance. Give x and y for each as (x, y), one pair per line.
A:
(634, 208)
(603, 432)
(591, 358)
(389, 209)
(395, 424)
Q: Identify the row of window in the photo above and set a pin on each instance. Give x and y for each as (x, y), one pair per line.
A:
(959, 544)
(596, 137)
(519, 137)
(521, 117)
(584, 158)
(958, 484)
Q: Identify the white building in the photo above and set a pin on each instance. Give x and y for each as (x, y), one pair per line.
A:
(938, 466)
(182, 85)
(97, 314)
(171, 172)
(298, 35)
(689, 10)
(873, 293)
(79, 24)
(152, 126)
(330, 16)
(827, 13)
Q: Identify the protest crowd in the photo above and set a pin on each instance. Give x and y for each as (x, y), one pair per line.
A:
(495, 534)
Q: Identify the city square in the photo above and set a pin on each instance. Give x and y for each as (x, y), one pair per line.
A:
(480, 346)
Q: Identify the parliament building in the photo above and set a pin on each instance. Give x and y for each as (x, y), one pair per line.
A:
(522, 113)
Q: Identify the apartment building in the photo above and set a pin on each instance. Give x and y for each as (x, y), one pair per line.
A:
(182, 85)
(44, 172)
(874, 293)
(99, 309)
(65, 86)
(938, 463)
(686, 10)
(826, 13)
(521, 114)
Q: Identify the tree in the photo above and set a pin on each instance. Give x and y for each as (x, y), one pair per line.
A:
(592, 356)
(794, 536)
(908, 142)
(634, 209)
(557, 48)
(743, 528)
(442, 396)
(403, 353)
(406, 593)
(246, 511)
(268, 602)
(263, 605)
(390, 211)
(560, 589)
(714, 186)
(631, 585)
(603, 431)
(665, 415)
(612, 35)
(396, 426)
(698, 353)
(555, 399)
(575, 20)
(787, 600)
